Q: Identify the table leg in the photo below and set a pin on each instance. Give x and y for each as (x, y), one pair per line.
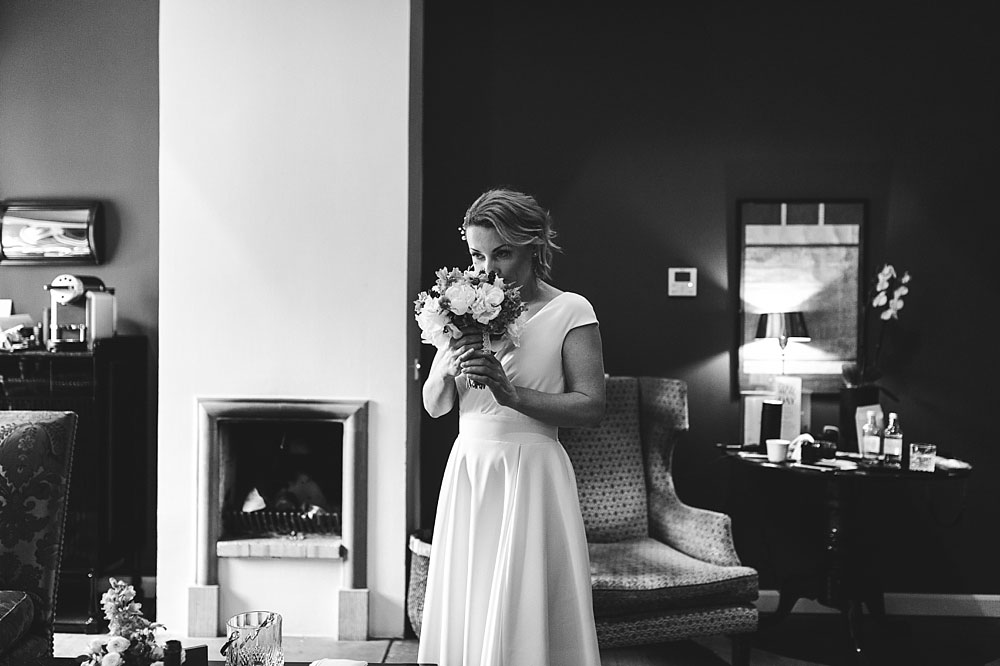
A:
(854, 621)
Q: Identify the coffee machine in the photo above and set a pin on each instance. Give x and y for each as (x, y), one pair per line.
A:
(82, 310)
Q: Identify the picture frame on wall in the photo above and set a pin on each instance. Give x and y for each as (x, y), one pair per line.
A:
(42, 232)
(799, 256)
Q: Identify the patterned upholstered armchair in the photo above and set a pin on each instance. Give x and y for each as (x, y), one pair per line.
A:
(36, 450)
(661, 570)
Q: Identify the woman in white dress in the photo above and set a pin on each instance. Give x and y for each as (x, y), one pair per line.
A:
(509, 576)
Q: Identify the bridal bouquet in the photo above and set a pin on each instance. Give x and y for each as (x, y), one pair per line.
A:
(469, 299)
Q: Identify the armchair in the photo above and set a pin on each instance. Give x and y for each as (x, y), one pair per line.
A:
(36, 449)
(661, 570)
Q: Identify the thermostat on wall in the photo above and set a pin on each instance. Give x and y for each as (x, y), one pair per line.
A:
(682, 282)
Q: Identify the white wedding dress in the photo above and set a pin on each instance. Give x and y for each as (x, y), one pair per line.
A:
(509, 575)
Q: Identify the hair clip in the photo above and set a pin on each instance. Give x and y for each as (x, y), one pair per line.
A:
(461, 230)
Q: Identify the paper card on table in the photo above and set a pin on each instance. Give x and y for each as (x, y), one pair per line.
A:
(6, 307)
(789, 391)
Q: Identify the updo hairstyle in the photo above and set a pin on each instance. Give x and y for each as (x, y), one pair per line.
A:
(519, 221)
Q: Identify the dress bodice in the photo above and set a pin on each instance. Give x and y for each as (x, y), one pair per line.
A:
(537, 362)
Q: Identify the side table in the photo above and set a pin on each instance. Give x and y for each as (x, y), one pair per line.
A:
(848, 580)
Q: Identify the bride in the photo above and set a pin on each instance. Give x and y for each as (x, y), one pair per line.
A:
(509, 576)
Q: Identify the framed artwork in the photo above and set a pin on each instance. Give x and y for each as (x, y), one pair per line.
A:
(50, 232)
(799, 256)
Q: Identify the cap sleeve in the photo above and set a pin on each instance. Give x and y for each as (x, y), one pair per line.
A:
(577, 311)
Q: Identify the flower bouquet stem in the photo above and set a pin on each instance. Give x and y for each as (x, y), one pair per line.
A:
(487, 347)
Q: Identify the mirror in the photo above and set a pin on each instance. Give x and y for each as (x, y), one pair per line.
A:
(799, 256)
(49, 232)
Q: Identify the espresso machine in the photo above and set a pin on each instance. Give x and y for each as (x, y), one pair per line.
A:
(82, 310)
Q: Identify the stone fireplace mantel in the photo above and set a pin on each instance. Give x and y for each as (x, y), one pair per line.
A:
(349, 549)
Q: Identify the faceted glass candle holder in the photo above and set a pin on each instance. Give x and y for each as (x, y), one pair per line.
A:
(254, 639)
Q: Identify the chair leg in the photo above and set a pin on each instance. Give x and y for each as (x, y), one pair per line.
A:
(741, 649)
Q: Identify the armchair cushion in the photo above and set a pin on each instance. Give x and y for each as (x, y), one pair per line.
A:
(643, 575)
(611, 480)
(17, 612)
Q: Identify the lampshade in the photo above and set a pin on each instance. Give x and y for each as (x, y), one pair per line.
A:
(784, 326)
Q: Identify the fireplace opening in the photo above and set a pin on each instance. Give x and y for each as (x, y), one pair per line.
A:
(280, 477)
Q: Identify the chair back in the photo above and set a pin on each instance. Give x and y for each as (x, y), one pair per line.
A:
(36, 451)
(608, 463)
(663, 418)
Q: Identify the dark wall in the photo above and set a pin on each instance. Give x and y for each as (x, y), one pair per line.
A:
(79, 118)
(640, 129)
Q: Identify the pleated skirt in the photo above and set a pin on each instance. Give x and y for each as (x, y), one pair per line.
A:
(508, 582)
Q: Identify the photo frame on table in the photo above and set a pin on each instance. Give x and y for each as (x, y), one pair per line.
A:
(42, 232)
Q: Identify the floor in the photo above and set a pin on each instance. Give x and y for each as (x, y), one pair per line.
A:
(802, 639)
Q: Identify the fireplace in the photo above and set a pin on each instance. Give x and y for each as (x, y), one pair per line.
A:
(280, 478)
(282, 488)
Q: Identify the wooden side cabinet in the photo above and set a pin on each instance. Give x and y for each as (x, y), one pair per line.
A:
(106, 514)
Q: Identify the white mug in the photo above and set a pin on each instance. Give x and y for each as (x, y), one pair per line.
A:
(777, 450)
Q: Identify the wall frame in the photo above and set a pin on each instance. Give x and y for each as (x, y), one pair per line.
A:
(799, 255)
(50, 232)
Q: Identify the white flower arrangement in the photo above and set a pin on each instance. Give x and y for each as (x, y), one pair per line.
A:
(132, 638)
(469, 299)
(887, 300)
(887, 281)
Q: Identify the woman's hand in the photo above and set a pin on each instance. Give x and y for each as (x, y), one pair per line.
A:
(483, 367)
(458, 347)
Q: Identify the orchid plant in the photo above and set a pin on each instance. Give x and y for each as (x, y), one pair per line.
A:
(887, 300)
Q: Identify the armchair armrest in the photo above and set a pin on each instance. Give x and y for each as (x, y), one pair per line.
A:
(703, 534)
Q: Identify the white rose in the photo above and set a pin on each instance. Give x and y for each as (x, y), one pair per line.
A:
(118, 644)
(482, 311)
(96, 645)
(492, 295)
(112, 659)
(432, 321)
(487, 315)
(460, 298)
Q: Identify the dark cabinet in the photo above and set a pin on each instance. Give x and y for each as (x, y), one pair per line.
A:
(106, 514)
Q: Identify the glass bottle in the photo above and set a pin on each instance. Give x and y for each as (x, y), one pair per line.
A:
(892, 441)
(871, 443)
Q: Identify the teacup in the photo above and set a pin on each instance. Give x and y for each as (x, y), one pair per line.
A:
(777, 450)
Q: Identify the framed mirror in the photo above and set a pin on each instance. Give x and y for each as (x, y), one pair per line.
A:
(50, 232)
(800, 259)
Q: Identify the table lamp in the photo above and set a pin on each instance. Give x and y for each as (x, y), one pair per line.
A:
(783, 326)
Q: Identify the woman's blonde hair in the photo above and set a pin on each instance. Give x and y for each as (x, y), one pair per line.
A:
(519, 221)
